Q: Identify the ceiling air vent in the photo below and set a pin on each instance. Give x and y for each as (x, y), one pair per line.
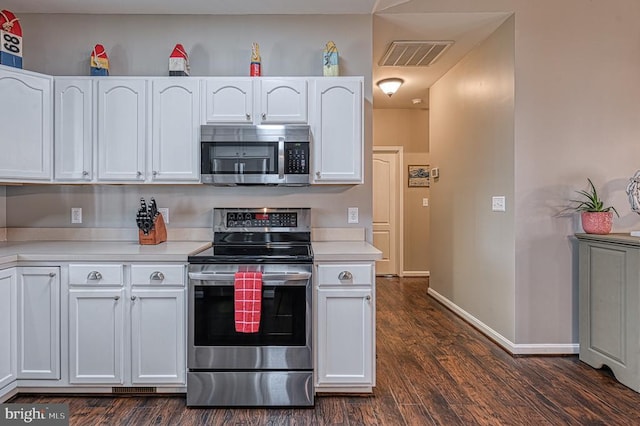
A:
(413, 53)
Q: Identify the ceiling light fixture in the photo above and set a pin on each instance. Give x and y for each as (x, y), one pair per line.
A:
(390, 85)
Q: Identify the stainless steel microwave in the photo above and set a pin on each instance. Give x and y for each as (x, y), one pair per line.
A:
(255, 155)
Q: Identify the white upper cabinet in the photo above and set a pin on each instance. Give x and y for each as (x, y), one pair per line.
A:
(73, 135)
(283, 100)
(337, 130)
(228, 100)
(121, 121)
(25, 120)
(175, 121)
(255, 100)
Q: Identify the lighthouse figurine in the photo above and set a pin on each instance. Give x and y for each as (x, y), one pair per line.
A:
(178, 62)
(11, 36)
(99, 61)
(256, 67)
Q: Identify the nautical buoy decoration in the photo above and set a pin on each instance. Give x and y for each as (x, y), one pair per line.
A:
(99, 61)
(178, 62)
(255, 70)
(330, 60)
(10, 40)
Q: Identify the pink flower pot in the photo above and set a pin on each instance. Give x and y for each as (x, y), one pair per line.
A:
(597, 222)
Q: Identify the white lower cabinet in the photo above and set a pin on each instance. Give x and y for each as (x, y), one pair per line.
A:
(345, 324)
(128, 332)
(158, 338)
(38, 313)
(96, 335)
(8, 327)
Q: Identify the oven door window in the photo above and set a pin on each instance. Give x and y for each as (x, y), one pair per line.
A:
(282, 319)
(255, 158)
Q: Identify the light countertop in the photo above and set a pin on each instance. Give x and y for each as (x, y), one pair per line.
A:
(344, 251)
(170, 251)
(115, 251)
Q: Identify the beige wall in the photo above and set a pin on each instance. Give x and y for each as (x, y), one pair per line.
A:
(409, 128)
(576, 116)
(472, 247)
(217, 45)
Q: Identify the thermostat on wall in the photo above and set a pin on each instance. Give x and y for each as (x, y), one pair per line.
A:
(435, 172)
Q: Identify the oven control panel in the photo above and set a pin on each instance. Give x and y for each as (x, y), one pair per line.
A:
(262, 220)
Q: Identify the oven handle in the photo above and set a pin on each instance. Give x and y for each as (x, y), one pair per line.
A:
(266, 278)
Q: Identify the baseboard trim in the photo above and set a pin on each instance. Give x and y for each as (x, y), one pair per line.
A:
(500, 340)
(415, 273)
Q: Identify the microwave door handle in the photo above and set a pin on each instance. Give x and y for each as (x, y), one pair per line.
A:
(281, 158)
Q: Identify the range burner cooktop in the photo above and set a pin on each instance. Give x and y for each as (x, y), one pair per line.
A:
(259, 236)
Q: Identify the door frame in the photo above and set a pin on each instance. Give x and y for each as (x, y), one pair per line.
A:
(399, 152)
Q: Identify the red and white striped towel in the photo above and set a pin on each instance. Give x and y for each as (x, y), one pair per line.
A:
(247, 301)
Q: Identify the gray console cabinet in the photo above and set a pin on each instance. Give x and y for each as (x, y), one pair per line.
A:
(609, 304)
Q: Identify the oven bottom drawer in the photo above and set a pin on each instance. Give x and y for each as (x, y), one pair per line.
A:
(250, 388)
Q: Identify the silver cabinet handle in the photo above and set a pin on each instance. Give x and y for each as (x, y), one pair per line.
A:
(264, 116)
(116, 297)
(154, 173)
(345, 275)
(85, 173)
(156, 276)
(133, 298)
(94, 276)
(138, 173)
(368, 298)
(318, 174)
(52, 274)
(248, 116)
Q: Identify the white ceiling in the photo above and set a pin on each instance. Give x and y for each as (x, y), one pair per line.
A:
(465, 29)
(206, 7)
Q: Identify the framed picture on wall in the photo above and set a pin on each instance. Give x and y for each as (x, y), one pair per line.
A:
(419, 175)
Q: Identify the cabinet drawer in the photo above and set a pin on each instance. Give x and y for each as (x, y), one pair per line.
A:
(95, 274)
(157, 275)
(352, 273)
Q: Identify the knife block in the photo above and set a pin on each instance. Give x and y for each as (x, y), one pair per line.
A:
(157, 234)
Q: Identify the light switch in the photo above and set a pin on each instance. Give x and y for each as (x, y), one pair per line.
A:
(352, 215)
(498, 204)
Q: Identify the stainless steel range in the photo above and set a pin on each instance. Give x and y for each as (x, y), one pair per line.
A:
(271, 366)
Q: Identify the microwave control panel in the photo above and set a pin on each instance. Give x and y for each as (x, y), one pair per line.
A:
(296, 158)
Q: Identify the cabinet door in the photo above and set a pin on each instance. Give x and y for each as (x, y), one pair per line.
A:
(175, 144)
(158, 342)
(337, 130)
(283, 101)
(345, 336)
(73, 106)
(38, 323)
(25, 120)
(228, 100)
(96, 337)
(121, 118)
(8, 326)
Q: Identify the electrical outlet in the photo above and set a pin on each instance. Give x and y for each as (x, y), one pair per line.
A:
(76, 215)
(352, 216)
(164, 211)
(498, 204)
(425, 202)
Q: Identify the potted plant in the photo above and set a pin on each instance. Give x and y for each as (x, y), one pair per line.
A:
(595, 217)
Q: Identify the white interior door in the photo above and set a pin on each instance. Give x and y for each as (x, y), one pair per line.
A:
(387, 201)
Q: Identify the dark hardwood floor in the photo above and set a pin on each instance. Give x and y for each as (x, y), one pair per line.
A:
(432, 368)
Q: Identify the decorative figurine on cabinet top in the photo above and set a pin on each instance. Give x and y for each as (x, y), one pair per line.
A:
(330, 60)
(11, 36)
(256, 68)
(99, 61)
(178, 62)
